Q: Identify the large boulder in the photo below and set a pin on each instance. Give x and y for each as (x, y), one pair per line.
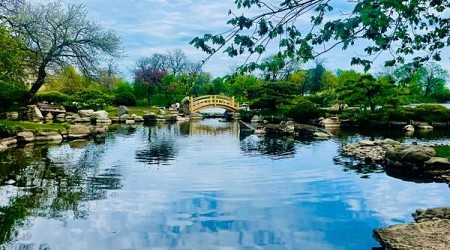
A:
(335, 107)
(330, 122)
(34, 114)
(101, 114)
(184, 106)
(48, 137)
(85, 113)
(78, 131)
(150, 117)
(430, 231)
(408, 158)
(257, 119)
(121, 110)
(25, 137)
(408, 128)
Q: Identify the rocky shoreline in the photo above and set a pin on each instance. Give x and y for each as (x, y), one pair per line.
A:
(429, 231)
(397, 159)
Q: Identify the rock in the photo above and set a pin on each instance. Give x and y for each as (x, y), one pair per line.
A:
(150, 117)
(34, 114)
(260, 131)
(437, 163)
(25, 137)
(408, 128)
(60, 117)
(9, 142)
(330, 122)
(415, 236)
(184, 105)
(335, 107)
(82, 120)
(321, 135)
(408, 158)
(182, 119)
(171, 118)
(162, 112)
(100, 115)
(48, 137)
(49, 117)
(425, 126)
(422, 215)
(122, 110)
(12, 115)
(3, 148)
(366, 143)
(115, 119)
(124, 117)
(257, 119)
(138, 119)
(130, 122)
(85, 113)
(98, 130)
(103, 121)
(196, 116)
(78, 131)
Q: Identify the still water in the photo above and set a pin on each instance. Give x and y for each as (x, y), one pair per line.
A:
(200, 185)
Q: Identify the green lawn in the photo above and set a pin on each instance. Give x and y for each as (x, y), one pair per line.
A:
(33, 126)
(442, 151)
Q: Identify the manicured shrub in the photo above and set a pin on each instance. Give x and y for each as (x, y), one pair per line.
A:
(54, 97)
(304, 110)
(431, 113)
(92, 98)
(125, 98)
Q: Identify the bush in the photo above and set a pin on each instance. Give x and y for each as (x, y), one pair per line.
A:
(9, 130)
(12, 95)
(125, 98)
(304, 110)
(92, 98)
(431, 113)
(54, 97)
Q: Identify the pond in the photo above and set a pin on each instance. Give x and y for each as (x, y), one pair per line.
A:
(201, 185)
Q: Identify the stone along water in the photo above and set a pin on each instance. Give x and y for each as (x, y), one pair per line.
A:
(198, 186)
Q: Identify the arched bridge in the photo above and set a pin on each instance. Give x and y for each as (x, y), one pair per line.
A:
(212, 101)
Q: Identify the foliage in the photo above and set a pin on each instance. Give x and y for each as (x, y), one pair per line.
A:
(58, 36)
(304, 110)
(67, 81)
(125, 98)
(18, 126)
(8, 130)
(387, 25)
(12, 58)
(436, 113)
(270, 95)
(442, 151)
(11, 95)
(51, 97)
(92, 98)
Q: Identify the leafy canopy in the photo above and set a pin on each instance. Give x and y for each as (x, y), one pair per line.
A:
(414, 28)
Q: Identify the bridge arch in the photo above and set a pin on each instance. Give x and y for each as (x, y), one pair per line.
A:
(212, 101)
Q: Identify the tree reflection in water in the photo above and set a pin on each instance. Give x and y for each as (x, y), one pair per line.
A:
(161, 145)
(270, 146)
(38, 183)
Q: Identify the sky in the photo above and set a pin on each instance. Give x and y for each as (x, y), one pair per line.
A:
(157, 26)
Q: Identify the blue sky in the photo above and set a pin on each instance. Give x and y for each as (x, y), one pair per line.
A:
(157, 26)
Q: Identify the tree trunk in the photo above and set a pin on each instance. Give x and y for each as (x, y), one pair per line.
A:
(38, 83)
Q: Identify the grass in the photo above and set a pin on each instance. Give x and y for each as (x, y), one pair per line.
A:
(442, 151)
(34, 126)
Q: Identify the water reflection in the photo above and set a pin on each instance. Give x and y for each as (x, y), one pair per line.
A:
(39, 181)
(287, 195)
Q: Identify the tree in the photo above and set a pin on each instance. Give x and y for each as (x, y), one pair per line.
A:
(420, 28)
(366, 91)
(151, 77)
(299, 79)
(58, 36)
(12, 58)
